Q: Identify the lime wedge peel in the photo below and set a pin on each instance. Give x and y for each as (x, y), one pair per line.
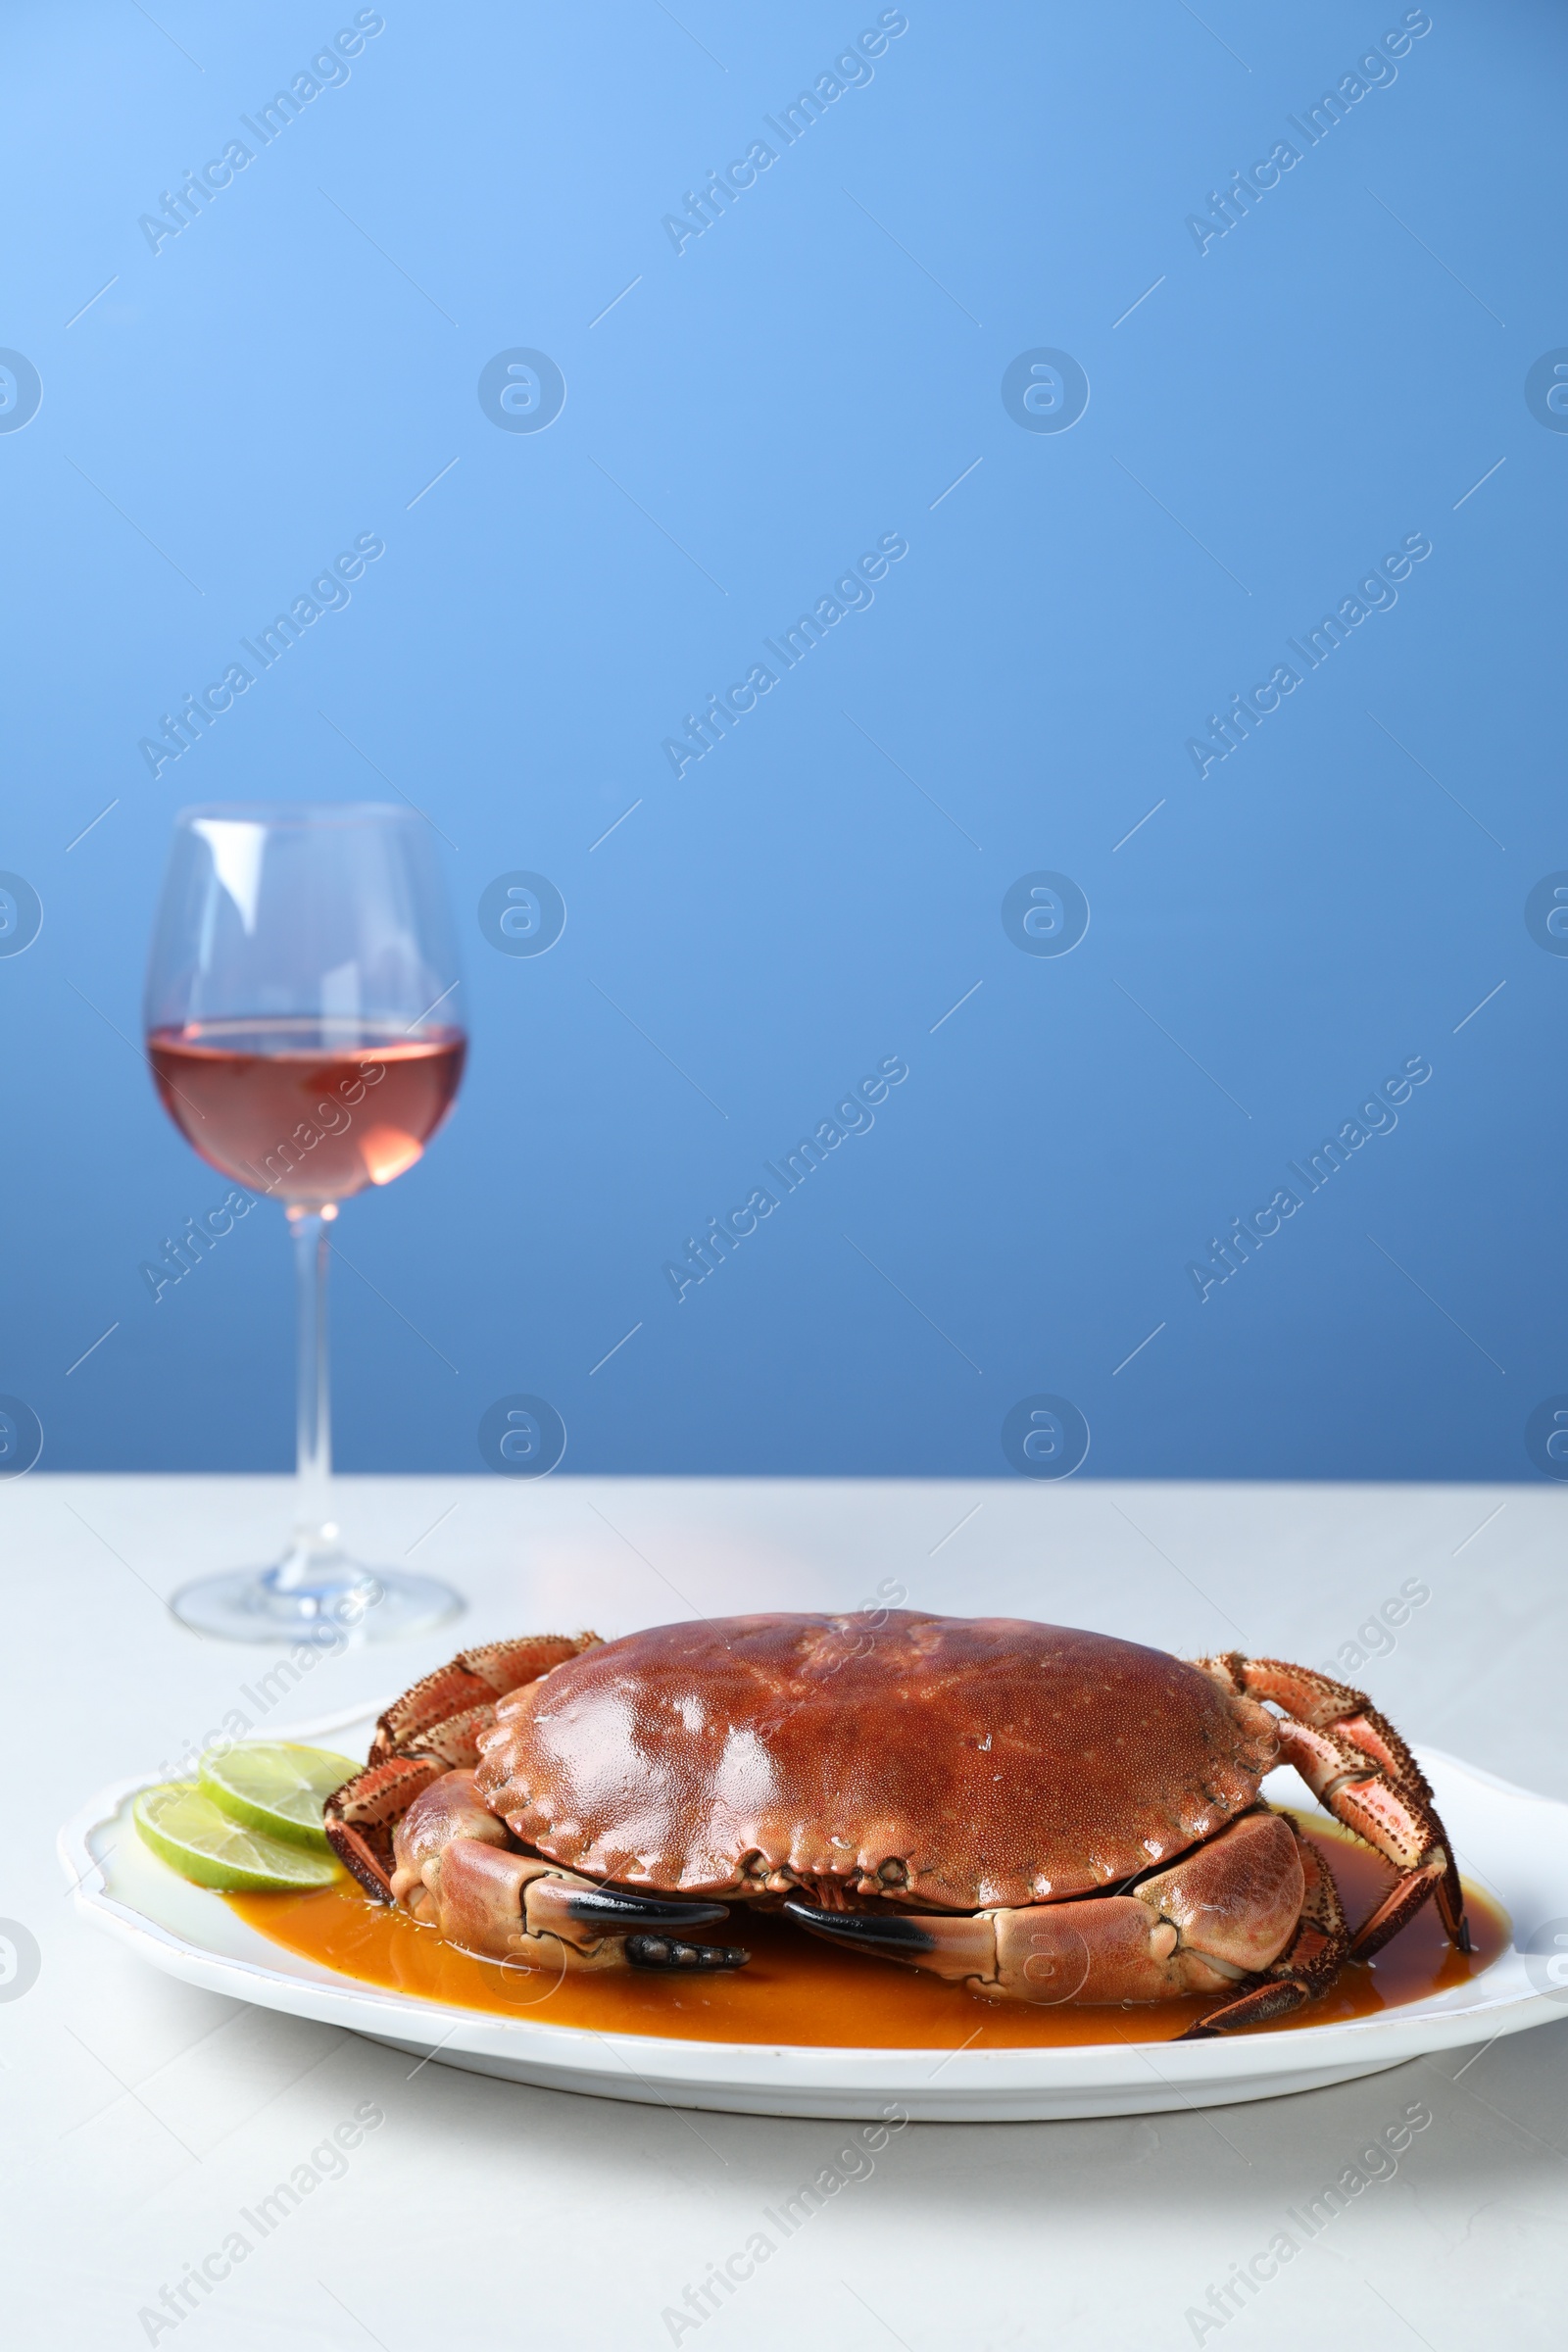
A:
(186, 1828)
(273, 1786)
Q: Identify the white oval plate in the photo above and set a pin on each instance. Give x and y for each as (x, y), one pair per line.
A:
(1510, 1842)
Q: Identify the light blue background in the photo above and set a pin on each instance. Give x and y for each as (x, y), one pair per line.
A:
(1279, 413)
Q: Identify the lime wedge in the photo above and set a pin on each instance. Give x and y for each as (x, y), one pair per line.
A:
(186, 1830)
(269, 1786)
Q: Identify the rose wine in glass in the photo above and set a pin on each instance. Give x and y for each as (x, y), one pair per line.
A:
(303, 1034)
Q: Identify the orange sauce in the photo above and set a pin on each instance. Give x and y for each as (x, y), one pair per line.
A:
(800, 1990)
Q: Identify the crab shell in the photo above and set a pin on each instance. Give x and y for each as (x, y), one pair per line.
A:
(949, 1763)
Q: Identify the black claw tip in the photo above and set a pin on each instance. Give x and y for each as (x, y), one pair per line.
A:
(1462, 1939)
(666, 1953)
(609, 1906)
(890, 1931)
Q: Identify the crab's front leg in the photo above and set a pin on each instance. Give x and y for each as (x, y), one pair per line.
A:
(455, 1866)
(1252, 1913)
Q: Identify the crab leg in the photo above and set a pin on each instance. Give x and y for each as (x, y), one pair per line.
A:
(1357, 1766)
(433, 1728)
(1218, 1920)
(361, 1817)
(448, 1708)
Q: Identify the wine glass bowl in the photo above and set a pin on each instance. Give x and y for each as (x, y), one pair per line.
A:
(303, 1035)
(286, 1106)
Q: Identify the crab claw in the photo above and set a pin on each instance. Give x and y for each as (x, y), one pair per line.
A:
(665, 1953)
(456, 1868)
(609, 1907)
(510, 1906)
(953, 1944)
(893, 1933)
(1213, 1923)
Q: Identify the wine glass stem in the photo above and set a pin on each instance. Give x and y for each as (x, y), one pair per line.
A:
(315, 1534)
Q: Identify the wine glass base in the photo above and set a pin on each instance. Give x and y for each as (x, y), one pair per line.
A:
(344, 1608)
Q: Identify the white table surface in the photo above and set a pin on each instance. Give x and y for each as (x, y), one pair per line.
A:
(142, 2116)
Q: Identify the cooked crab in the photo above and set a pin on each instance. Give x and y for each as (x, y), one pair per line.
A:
(1041, 1814)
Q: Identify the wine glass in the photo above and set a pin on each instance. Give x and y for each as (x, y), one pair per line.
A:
(302, 1031)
